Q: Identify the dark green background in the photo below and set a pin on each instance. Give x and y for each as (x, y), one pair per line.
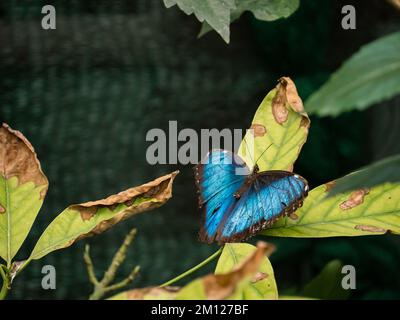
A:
(86, 93)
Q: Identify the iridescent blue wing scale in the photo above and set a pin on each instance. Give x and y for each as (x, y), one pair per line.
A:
(271, 195)
(218, 176)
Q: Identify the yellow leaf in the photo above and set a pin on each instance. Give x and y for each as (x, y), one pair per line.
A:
(23, 187)
(279, 130)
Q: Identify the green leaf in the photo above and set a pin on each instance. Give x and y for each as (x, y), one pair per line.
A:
(90, 218)
(328, 284)
(279, 130)
(263, 286)
(369, 76)
(23, 187)
(386, 170)
(150, 293)
(229, 285)
(362, 212)
(219, 14)
(215, 12)
(267, 10)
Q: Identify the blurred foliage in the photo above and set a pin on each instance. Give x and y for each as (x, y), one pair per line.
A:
(369, 76)
(327, 284)
(386, 170)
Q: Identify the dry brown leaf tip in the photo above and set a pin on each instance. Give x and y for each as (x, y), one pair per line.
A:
(18, 159)
(158, 191)
(221, 286)
(279, 109)
(292, 96)
(287, 97)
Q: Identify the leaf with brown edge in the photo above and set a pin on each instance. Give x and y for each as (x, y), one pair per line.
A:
(226, 285)
(23, 187)
(150, 293)
(262, 285)
(371, 211)
(86, 219)
(278, 131)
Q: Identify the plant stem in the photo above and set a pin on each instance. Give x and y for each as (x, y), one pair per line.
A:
(6, 283)
(194, 269)
(118, 259)
(103, 286)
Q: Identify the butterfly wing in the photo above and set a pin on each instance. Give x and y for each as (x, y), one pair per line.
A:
(271, 195)
(218, 177)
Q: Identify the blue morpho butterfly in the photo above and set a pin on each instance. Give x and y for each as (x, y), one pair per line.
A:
(237, 206)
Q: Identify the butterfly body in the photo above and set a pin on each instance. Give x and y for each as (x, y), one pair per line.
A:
(237, 206)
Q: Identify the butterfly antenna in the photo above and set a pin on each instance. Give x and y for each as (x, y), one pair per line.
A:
(263, 152)
(248, 150)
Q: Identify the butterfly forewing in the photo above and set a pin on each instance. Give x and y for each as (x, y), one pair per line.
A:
(217, 179)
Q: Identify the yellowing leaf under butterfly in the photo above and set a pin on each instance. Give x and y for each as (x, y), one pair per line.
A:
(262, 285)
(355, 213)
(230, 284)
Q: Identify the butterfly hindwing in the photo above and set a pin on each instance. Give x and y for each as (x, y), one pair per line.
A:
(271, 195)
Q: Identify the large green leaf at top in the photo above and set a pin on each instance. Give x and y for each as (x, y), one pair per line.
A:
(263, 286)
(215, 12)
(361, 212)
(327, 284)
(266, 10)
(90, 218)
(386, 170)
(278, 130)
(228, 285)
(23, 187)
(219, 14)
(371, 75)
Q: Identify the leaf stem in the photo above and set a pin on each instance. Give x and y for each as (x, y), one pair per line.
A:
(6, 283)
(103, 286)
(194, 269)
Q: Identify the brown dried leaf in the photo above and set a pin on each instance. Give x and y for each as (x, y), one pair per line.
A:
(292, 96)
(18, 159)
(158, 190)
(149, 293)
(222, 286)
(279, 109)
(287, 97)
